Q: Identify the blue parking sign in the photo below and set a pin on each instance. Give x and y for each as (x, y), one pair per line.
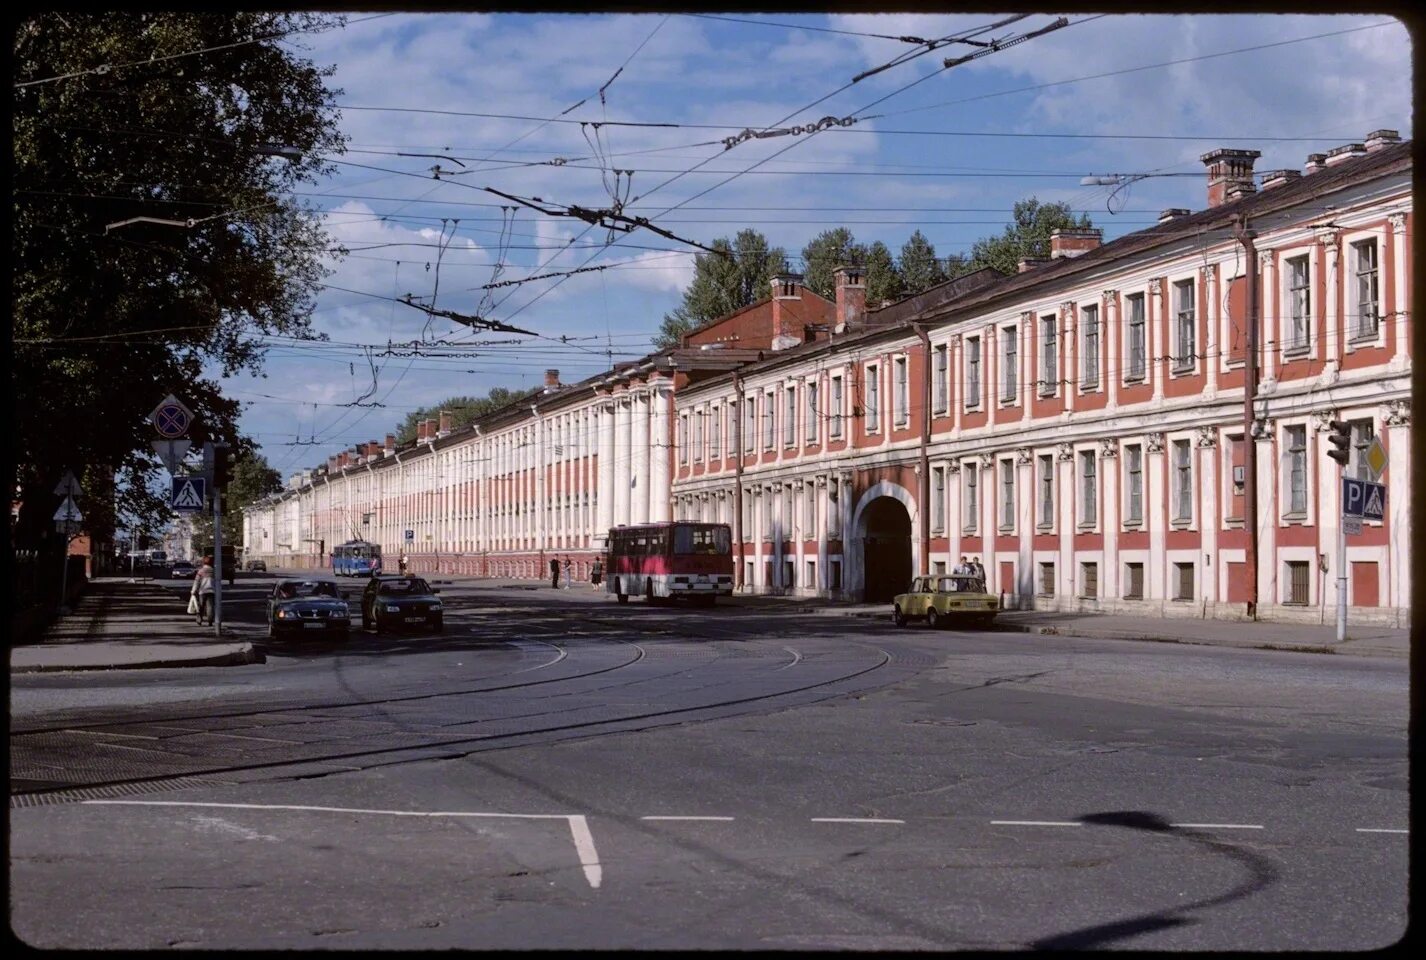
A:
(1363, 499)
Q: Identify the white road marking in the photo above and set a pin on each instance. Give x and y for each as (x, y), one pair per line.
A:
(588, 856)
(685, 818)
(796, 657)
(853, 820)
(1378, 830)
(1036, 823)
(583, 842)
(1220, 826)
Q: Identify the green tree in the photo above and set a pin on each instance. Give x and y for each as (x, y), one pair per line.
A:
(826, 252)
(253, 478)
(1027, 236)
(722, 284)
(463, 410)
(920, 270)
(883, 277)
(108, 322)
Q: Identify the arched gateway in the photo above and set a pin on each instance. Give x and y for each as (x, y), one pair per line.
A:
(883, 548)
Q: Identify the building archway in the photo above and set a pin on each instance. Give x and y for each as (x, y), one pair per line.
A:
(883, 534)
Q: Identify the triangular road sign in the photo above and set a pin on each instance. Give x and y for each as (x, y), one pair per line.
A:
(68, 486)
(171, 452)
(68, 511)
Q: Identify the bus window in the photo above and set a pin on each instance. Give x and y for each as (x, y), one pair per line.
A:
(658, 543)
(715, 541)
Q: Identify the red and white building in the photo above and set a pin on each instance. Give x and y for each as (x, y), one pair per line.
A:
(1080, 427)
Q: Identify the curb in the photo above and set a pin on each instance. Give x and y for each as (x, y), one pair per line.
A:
(243, 654)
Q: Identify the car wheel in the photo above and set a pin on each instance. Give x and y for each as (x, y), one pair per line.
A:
(897, 617)
(440, 626)
(933, 619)
(619, 591)
(649, 592)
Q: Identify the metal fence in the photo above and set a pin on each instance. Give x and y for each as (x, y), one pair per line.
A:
(36, 591)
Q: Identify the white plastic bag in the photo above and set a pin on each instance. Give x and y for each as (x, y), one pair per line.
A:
(193, 604)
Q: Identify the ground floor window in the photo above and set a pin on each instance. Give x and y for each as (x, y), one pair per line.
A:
(1297, 574)
(1183, 581)
(835, 572)
(1047, 579)
(811, 573)
(939, 566)
(789, 579)
(1133, 581)
(1089, 580)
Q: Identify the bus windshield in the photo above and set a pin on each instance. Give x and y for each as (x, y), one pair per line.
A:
(702, 540)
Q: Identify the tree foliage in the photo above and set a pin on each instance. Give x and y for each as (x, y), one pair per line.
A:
(462, 409)
(920, 270)
(822, 256)
(883, 276)
(721, 285)
(1026, 236)
(253, 478)
(107, 322)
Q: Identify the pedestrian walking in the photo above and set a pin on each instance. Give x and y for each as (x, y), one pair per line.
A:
(554, 572)
(596, 573)
(568, 563)
(962, 568)
(401, 564)
(976, 569)
(203, 591)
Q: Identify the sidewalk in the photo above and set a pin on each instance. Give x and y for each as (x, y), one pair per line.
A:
(121, 624)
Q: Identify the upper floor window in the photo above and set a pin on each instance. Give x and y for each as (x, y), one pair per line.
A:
(1363, 431)
(715, 424)
(972, 504)
(1364, 322)
(942, 374)
(1136, 337)
(1185, 325)
(873, 399)
(1183, 481)
(769, 418)
(1049, 355)
(1296, 437)
(683, 439)
(836, 426)
(1047, 491)
(902, 399)
(1088, 489)
(1007, 494)
(698, 417)
(1298, 327)
(938, 499)
(750, 423)
(789, 417)
(813, 413)
(1089, 352)
(972, 372)
(1134, 484)
(1010, 367)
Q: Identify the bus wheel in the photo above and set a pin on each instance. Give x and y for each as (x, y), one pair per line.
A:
(619, 590)
(649, 591)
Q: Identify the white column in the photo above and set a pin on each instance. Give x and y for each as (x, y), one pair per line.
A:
(1330, 263)
(1205, 477)
(639, 464)
(604, 492)
(1213, 322)
(1156, 335)
(1399, 273)
(660, 406)
(1397, 580)
(1268, 472)
(623, 436)
(1112, 343)
(1269, 340)
(1067, 521)
(1109, 522)
(1156, 513)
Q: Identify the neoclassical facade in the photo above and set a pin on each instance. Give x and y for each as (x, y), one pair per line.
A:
(1080, 427)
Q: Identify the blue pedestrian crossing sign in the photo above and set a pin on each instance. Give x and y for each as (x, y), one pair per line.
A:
(188, 494)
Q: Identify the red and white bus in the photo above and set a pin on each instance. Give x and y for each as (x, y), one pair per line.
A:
(678, 559)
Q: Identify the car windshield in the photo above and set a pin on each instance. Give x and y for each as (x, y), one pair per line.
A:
(961, 585)
(413, 586)
(307, 588)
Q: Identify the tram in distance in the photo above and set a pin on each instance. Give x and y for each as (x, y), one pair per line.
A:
(692, 561)
(356, 558)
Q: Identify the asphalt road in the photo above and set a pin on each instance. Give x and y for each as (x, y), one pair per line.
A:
(557, 771)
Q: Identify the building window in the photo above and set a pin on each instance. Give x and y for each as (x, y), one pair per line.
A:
(834, 574)
(1297, 573)
(1137, 333)
(750, 423)
(1088, 489)
(873, 399)
(1009, 366)
(942, 372)
(1296, 471)
(1133, 581)
(1183, 481)
(1363, 432)
(836, 406)
(973, 372)
(715, 433)
(747, 512)
(1049, 355)
(809, 511)
(789, 571)
(1364, 270)
(972, 505)
(902, 400)
(1089, 581)
(789, 417)
(683, 439)
(1134, 484)
(1185, 322)
(769, 416)
(1047, 492)
(1299, 305)
(1183, 581)
(812, 412)
(1007, 494)
(811, 580)
(1047, 579)
(1089, 355)
(938, 499)
(698, 416)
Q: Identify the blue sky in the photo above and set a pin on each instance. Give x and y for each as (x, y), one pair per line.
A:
(949, 155)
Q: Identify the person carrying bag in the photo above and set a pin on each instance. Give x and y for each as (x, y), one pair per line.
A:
(200, 598)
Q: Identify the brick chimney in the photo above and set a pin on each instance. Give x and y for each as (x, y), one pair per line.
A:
(445, 424)
(421, 430)
(552, 379)
(1347, 151)
(1226, 168)
(1278, 178)
(787, 316)
(1173, 213)
(1380, 139)
(430, 423)
(851, 299)
(1315, 162)
(1072, 242)
(373, 448)
(1029, 263)
(390, 444)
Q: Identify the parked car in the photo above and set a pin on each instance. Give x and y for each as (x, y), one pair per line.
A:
(257, 566)
(395, 601)
(182, 570)
(946, 599)
(307, 606)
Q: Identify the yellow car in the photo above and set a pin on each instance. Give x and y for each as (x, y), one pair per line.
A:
(945, 599)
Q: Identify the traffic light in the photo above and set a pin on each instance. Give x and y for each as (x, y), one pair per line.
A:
(222, 465)
(1340, 437)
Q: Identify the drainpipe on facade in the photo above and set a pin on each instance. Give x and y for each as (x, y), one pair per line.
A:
(1246, 236)
(924, 513)
(738, 480)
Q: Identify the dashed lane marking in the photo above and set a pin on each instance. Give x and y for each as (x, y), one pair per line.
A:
(1378, 830)
(1220, 826)
(1036, 823)
(853, 820)
(685, 818)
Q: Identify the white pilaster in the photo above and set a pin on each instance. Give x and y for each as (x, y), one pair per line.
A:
(660, 409)
(623, 437)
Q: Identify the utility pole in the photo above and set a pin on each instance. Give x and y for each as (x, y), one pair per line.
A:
(1246, 236)
(1340, 439)
(217, 560)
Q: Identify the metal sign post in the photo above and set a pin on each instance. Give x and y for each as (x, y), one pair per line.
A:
(66, 520)
(217, 563)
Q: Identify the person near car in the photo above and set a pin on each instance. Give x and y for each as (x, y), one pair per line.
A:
(596, 573)
(554, 572)
(962, 568)
(976, 569)
(568, 564)
(203, 590)
(401, 564)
